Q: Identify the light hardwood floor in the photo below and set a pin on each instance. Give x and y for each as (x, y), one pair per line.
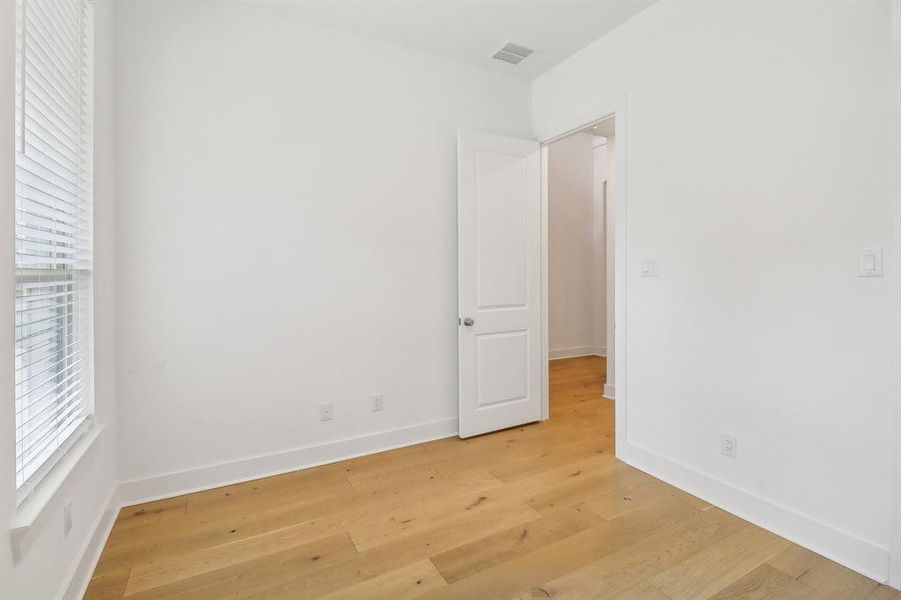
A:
(541, 511)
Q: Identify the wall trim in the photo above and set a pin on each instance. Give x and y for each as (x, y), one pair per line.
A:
(576, 351)
(212, 476)
(177, 483)
(842, 547)
(203, 478)
(83, 570)
(609, 391)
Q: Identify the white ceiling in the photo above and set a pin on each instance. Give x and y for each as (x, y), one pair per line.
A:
(472, 30)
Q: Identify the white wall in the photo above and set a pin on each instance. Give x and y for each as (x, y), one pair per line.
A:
(758, 324)
(287, 235)
(48, 559)
(575, 273)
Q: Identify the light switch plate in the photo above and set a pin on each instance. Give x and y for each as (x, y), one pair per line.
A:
(870, 262)
(648, 267)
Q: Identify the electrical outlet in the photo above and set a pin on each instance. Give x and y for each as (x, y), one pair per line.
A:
(378, 403)
(326, 411)
(729, 446)
(67, 518)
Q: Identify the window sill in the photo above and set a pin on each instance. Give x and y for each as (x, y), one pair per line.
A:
(31, 509)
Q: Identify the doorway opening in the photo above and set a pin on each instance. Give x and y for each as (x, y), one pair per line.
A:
(503, 271)
(578, 183)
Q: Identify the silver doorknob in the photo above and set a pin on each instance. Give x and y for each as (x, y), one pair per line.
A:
(468, 322)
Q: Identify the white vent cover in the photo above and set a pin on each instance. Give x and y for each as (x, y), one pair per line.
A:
(513, 53)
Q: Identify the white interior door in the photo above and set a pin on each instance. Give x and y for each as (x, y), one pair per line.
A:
(498, 203)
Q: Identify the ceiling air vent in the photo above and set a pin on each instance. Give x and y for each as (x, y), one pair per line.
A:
(513, 53)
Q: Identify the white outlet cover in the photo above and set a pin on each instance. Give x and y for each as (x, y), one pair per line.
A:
(326, 411)
(67, 518)
(729, 446)
(378, 403)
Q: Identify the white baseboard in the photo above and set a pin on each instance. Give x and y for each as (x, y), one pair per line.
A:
(842, 547)
(609, 391)
(90, 554)
(577, 351)
(204, 478)
(213, 476)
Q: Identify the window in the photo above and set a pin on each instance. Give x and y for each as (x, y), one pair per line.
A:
(53, 334)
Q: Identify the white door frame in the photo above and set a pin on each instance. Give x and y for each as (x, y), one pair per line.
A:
(616, 109)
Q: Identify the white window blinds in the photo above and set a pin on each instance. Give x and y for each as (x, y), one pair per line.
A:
(53, 231)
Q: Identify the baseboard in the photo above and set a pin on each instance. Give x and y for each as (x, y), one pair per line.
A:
(213, 476)
(90, 554)
(577, 351)
(203, 478)
(609, 391)
(842, 547)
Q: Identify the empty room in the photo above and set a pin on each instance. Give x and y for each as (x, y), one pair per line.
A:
(450, 299)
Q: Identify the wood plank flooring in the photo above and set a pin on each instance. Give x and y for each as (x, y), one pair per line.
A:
(541, 511)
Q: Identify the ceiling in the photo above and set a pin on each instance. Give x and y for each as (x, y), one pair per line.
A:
(472, 30)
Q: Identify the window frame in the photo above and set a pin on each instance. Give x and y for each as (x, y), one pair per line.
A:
(83, 273)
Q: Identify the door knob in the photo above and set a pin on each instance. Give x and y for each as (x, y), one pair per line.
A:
(468, 322)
